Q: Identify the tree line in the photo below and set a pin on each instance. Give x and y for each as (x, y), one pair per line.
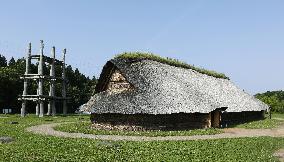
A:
(79, 87)
(275, 99)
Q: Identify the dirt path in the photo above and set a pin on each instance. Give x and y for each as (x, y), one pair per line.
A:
(280, 154)
(47, 129)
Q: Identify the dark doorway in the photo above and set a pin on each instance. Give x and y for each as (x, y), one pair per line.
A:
(215, 118)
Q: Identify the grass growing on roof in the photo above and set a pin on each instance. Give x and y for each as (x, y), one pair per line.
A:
(170, 61)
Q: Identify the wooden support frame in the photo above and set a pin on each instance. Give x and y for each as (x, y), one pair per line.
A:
(41, 98)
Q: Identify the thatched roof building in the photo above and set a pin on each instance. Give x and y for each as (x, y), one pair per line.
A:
(149, 86)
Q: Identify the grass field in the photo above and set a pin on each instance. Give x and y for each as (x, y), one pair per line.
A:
(31, 147)
(277, 116)
(84, 127)
(261, 124)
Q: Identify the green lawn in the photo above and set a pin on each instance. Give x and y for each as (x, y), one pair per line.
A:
(31, 147)
(261, 124)
(84, 127)
(277, 116)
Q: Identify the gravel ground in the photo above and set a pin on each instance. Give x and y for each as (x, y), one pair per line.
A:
(6, 139)
(47, 129)
(280, 154)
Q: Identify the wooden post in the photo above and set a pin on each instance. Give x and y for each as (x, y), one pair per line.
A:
(269, 112)
(209, 120)
(37, 103)
(23, 109)
(25, 91)
(64, 84)
(28, 59)
(52, 82)
(40, 81)
(51, 104)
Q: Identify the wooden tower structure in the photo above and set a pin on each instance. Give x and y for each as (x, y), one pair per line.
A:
(40, 98)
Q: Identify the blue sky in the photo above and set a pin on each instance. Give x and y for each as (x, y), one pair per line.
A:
(243, 39)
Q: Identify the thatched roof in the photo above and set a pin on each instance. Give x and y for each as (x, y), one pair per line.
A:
(164, 89)
(173, 62)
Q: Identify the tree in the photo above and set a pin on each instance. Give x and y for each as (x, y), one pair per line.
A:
(92, 85)
(12, 62)
(11, 87)
(275, 100)
(3, 61)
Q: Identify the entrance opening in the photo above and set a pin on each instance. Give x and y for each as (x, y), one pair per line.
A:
(216, 117)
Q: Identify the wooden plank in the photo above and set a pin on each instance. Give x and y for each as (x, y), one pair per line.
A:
(47, 59)
(37, 76)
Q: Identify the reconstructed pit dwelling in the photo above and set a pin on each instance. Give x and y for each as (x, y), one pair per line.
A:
(147, 93)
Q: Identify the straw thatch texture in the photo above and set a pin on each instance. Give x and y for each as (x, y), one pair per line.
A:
(163, 89)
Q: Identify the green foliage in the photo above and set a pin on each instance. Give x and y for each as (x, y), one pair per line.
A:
(12, 62)
(3, 61)
(31, 147)
(85, 127)
(10, 87)
(80, 87)
(169, 61)
(275, 99)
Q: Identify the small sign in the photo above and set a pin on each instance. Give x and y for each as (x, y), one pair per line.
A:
(7, 111)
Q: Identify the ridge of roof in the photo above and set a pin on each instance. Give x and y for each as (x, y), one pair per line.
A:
(138, 56)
